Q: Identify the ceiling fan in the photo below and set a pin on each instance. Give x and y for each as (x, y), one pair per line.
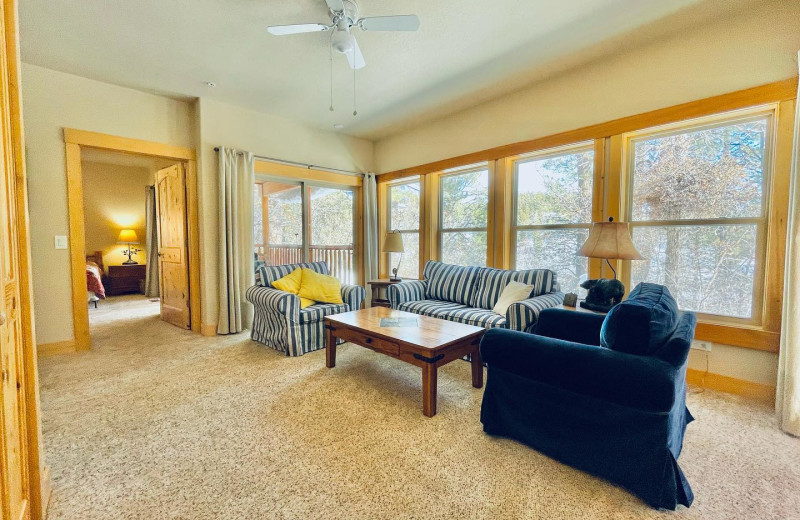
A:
(344, 17)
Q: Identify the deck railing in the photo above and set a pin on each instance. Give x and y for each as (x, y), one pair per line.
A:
(340, 259)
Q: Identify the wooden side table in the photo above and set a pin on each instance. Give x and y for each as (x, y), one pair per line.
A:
(578, 308)
(124, 279)
(378, 291)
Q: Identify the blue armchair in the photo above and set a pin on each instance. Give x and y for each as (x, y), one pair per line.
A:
(604, 394)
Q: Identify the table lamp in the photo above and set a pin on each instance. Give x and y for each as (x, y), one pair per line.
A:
(128, 236)
(607, 240)
(393, 243)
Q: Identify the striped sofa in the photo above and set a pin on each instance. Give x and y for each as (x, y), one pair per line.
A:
(278, 321)
(468, 294)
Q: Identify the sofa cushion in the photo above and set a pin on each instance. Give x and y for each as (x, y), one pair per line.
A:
(318, 311)
(491, 283)
(473, 316)
(266, 274)
(642, 323)
(450, 283)
(429, 307)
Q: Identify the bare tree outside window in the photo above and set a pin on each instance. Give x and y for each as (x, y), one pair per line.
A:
(553, 213)
(464, 207)
(698, 215)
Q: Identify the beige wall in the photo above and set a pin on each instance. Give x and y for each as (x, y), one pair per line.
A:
(235, 127)
(743, 51)
(732, 54)
(52, 101)
(114, 199)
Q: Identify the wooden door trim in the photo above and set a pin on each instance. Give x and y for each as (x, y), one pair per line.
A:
(74, 142)
(37, 504)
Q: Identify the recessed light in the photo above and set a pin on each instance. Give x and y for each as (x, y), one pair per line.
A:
(210, 84)
(338, 126)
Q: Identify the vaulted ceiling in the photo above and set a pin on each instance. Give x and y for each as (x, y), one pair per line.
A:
(465, 52)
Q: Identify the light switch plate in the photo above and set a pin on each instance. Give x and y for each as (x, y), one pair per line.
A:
(61, 241)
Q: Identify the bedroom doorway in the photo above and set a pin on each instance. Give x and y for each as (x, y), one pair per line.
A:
(120, 230)
(117, 263)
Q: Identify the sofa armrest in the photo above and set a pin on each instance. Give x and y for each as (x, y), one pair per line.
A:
(406, 292)
(569, 325)
(353, 296)
(640, 382)
(274, 300)
(523, 315)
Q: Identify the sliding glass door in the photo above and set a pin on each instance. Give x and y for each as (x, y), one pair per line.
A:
(306, 222)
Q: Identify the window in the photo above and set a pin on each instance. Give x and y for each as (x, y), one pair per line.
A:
(331, 215)
(404, 212)
(697, 207)
(463, 217)
(553, 212)
(297, 222)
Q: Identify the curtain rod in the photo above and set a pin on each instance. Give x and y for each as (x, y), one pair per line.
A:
(301, 165)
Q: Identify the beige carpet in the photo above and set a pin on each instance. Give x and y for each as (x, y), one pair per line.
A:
(158, 423)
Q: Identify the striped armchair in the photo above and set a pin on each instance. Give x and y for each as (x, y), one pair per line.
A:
(468, 294)
(278, 321)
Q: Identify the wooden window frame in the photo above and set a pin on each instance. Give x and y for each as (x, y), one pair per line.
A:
(440, 230)
(515, 228)
(385, 211)
(769, 113)
(610, 195)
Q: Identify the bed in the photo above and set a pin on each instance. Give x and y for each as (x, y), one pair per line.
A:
(95, 291)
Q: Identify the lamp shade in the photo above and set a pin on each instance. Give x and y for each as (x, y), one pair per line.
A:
(393, 242)
(610, 240)
(128, 236)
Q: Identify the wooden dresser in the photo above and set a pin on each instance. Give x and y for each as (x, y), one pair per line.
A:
(124, 279)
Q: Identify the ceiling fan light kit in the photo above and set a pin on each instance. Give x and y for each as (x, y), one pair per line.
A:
(344, 17)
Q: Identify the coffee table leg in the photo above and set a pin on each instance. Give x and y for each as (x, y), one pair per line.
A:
(477, 369)
(330, 347)
(429, 378)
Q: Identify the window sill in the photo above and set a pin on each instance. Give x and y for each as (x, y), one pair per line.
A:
(738, 336)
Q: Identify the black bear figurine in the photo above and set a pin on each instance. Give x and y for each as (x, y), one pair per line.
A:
(603, 294)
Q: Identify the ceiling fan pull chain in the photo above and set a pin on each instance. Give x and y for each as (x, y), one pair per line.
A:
(330, 59)
(355, 112)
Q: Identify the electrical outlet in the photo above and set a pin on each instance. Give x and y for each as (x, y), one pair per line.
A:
(702, 345)
(61, 241)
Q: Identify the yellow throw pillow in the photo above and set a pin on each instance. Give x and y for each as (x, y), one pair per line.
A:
(291, 284)
(320, 287)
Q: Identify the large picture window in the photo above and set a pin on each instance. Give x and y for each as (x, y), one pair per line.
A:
(463, 216)
(698, 212)
(404, 216)
(553, 212)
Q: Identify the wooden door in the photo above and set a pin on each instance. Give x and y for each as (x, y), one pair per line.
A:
(172, 251)
(13, 432)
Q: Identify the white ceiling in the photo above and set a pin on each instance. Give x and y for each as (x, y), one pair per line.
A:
(466, 51)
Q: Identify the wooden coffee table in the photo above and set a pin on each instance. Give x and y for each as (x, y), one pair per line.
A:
(433, 343)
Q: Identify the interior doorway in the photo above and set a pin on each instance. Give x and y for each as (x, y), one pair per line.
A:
(120, 229)
(142, 249)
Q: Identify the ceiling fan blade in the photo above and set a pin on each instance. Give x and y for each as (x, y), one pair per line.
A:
(406, 22)
(355, 58)
(282, 30)
(335, 5)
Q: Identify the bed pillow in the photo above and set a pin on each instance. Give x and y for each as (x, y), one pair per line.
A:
(291, 284)
(513, 292)
(320, 287)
